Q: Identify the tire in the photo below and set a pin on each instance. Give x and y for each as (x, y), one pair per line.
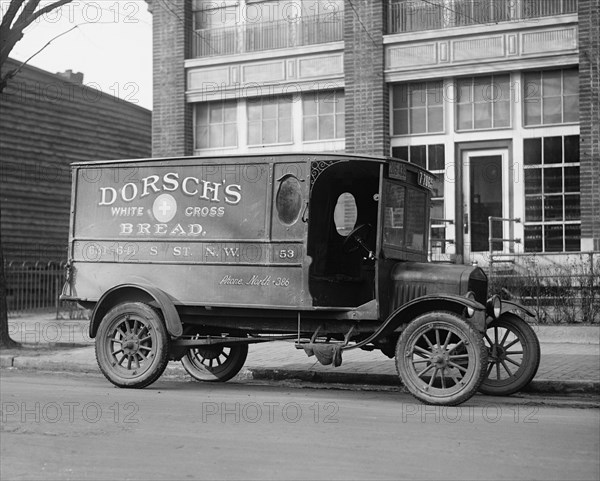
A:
(514, 355)
(215, 363)
(446, 345)
(132, 345)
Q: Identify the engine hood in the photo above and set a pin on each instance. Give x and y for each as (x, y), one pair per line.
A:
(410, 280)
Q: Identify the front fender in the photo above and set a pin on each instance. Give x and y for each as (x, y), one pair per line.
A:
(420, 305)
(510, 305)
(142, 293)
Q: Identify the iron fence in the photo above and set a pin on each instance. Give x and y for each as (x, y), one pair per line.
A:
(36, 286)
(417, 15)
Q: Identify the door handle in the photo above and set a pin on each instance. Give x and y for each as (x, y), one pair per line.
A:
(466, 222)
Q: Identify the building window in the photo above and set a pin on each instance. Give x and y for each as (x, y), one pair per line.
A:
(418, 108)
(551, 97)
(552, 196)
(483, 102)
(269, 120)
(323, 115)
(216, 124)
(432, 158)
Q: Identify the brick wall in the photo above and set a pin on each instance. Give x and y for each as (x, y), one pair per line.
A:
(366, 93)
(589, 117)
(171, 116)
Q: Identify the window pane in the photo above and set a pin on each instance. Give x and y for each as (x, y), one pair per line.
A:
(571, 108)
(310, 128)
(464, 91)
(340, 126)
(533, 151)
(572, 207)
(269, 110)
(269, 132)
(400, 96)
(418, 95)
(438, 186)
(483, 116)
(465, 121)
(437, 157)
(326, 103)
(533, 112)
(417, 121)
(553, 150)
(571, 179)
(230, 139)
(533, 238)
(553, 241)
(435, 119)
(501, 114)
(400, 122)
(285, 130)
(309, 105)
(215, 136)
(552, 110)
(572, 238)
(572, 148)
(434, 93)
(400, 152)
(571, 82)
(326, 127)
(532, 86)
(254, 111)
(533, 209)
(202, 137)
(340, 105)
(437, 210)
(551, 83)
(216, 113)
(418, 155)
(533, 181)
(230, 112)
(553, 207)
(254, 133)
(553, 181)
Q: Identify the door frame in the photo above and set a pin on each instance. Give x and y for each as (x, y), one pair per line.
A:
(509, 178)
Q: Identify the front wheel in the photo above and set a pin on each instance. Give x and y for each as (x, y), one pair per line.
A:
(215, 363)
(514, 355)
(441, 359)
(132, 345)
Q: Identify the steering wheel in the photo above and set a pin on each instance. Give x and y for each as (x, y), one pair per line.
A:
(357, 238)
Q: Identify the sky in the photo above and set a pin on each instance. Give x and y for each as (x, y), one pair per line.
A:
(111, 45)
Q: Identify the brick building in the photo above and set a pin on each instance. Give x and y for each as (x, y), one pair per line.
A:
(498, 97)
(48, 121)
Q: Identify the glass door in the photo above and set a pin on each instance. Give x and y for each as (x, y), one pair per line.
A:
(485, 193)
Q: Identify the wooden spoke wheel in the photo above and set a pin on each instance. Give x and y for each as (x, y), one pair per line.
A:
(514, 355)
(132, 345)
(215, 363)
(441, 358)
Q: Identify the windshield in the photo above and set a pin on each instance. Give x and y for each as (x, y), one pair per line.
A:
(404, 217)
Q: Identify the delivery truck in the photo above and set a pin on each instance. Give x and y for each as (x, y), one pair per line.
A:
(193, 259)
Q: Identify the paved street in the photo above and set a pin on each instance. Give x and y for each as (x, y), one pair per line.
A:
(57, 426)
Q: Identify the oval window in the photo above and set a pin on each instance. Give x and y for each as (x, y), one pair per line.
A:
(345, 214)
(289, 200)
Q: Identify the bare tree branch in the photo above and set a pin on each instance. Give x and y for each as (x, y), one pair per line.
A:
(10, 14)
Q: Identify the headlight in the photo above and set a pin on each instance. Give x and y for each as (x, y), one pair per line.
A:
(470, 311)
(494, 306)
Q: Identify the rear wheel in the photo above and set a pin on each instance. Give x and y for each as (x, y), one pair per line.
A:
(132, 345)
(441, 359)
(215, 363)
(514, 355)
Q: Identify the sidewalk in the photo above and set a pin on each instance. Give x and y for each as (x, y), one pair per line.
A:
(570, 360)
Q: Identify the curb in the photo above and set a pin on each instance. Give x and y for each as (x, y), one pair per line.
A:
(537, 386)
